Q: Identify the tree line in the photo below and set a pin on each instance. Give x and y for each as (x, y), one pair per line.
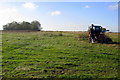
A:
(34, 25)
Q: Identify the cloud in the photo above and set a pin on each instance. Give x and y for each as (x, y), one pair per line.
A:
(87, 6)
(114, 7)
(30, 5)
(55, 13)
(8, 15)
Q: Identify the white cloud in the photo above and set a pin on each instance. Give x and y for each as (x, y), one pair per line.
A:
(87, 6)
(30, 5)
(55, 13)
(8, 15)
(114, 7)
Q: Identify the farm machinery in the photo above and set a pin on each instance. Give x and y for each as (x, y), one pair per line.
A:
(97, 34)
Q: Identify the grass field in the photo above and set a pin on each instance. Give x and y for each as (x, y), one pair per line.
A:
(58, 55)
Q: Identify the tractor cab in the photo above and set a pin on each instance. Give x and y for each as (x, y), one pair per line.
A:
(95, 29)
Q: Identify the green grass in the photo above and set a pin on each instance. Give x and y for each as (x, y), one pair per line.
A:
(57, 55)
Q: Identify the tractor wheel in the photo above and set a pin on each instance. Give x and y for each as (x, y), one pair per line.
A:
(91, 40)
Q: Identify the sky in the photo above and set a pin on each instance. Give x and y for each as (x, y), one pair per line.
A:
(62, 16)
(60, 0)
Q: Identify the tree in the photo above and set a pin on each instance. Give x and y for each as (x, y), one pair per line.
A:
(11, 26)
(25, 25)
(5, 27)
(34, 25)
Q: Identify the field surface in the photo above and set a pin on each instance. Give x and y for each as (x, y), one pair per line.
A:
(58, 55)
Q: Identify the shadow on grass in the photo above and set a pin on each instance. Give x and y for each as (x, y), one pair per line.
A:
(112, 43)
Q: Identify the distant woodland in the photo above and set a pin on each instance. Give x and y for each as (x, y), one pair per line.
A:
(34, 25)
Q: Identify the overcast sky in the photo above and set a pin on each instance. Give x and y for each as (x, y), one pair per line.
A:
(64, 16)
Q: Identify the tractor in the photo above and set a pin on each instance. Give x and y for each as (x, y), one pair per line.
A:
(97, 34)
